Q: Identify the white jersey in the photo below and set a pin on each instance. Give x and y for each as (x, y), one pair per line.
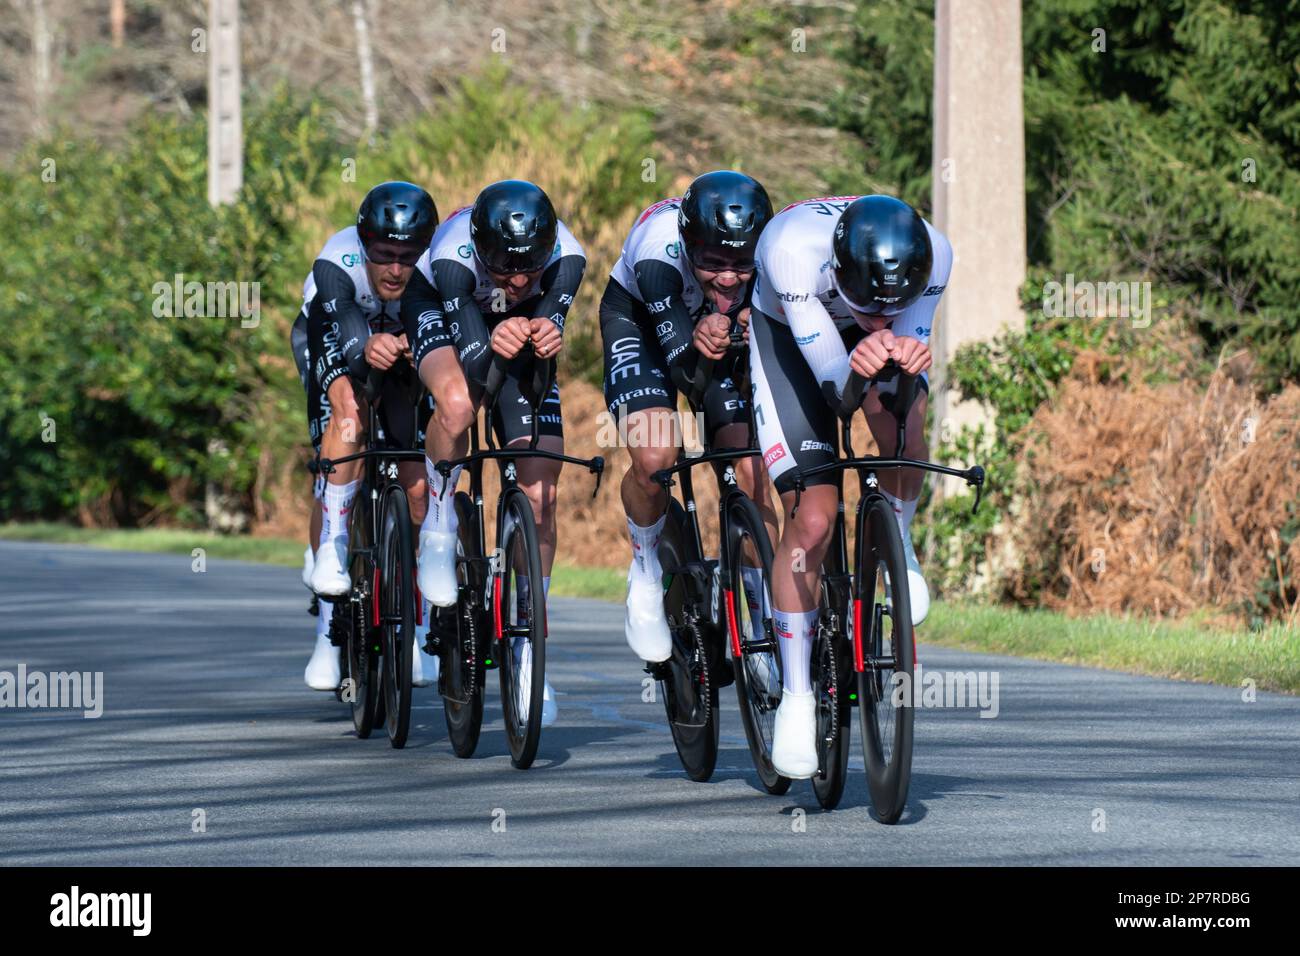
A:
(794, 285)
(348, 277)
(452, 242)
(654, 236)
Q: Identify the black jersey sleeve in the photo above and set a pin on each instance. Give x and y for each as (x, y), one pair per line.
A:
(335, 302)
(661, 289)
(560, 284)
(468, 326)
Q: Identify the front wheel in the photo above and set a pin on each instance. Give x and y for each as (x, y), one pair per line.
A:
(690, 700)
(882, 616)
(519, 610)
(755, 657)
(396, 599)
(465, 639)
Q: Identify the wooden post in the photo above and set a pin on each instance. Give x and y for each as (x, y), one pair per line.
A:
(979, 186)
(225, 120)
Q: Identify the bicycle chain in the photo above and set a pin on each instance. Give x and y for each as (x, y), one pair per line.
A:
(834, 683)
(702, 658)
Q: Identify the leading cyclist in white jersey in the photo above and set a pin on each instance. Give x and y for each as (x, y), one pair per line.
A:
(846, 282)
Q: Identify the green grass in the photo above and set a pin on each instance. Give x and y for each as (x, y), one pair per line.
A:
(167, 540)
(1187, 649)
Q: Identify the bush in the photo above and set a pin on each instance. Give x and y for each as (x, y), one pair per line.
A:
(153, 414)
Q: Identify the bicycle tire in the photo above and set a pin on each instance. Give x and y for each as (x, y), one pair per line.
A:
(692, 716)
(883, 623)
(361, 667)
(462, 704)
(758, 671)
(397, 611)
(517, 537)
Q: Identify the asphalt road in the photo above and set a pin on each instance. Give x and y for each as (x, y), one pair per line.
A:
(204, 709)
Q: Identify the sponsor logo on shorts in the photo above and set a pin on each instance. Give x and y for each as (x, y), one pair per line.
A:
(675, 352)
(792, 296)
(934, 290)
(811, 445)
(638, 393)
(922, 330)
(774, 454)
(806, 339)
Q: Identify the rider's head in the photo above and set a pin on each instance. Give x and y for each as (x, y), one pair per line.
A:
(720, 219)
(513, 228)
(395, 224)
(880, 256)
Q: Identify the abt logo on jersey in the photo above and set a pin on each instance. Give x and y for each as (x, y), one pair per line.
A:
(774, 454)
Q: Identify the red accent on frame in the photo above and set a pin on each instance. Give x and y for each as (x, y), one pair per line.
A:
(496, 604)
(731, 625)
(419, 599)
(857, 635)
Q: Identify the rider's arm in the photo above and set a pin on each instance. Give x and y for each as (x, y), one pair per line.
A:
(336, 302)
(661, 287)
(559, 285)
(463, 318)
(793, 278)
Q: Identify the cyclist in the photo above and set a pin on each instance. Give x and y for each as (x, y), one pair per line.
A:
(499, 275)
(844, 283)
(350, 322)
(684, 276)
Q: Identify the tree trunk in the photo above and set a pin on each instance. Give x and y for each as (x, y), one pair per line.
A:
(117, 22)
(41, 45)
(366, 63)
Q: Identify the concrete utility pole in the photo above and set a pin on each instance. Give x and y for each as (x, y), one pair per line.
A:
(979, 184)
(225, 120)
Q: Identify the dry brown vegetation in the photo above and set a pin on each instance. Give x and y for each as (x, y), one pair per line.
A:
(1162, 499)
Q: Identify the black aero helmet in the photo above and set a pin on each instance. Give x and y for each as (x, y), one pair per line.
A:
(397, 214)
(881, 254)
(720, 219)
(513, 227)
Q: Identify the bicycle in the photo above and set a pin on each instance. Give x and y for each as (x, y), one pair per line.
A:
(373, 625)
(493, 614)
(879, 659)
(694, 603)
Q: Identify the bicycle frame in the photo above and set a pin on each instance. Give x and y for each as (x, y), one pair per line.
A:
(380, 472)
(839, 582)
(509, 456)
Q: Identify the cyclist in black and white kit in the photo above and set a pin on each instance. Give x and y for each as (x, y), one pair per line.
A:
(350, 322)
(843, 283)
(498, 275)
(684, 276)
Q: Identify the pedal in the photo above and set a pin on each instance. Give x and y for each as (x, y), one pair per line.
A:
(659, 670)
